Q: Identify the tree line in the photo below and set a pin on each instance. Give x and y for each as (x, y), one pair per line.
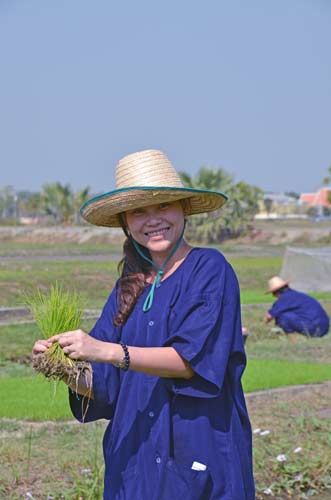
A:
(59, 204)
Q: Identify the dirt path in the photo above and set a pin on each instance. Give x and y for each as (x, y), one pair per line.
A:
(60, 258)
(317, 397)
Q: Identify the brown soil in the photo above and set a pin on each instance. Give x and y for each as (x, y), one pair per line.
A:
(274, 232)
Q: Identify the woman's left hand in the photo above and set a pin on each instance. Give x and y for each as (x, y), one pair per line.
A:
(79, 345)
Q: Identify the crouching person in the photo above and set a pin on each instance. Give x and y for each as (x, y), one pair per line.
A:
(296, 312)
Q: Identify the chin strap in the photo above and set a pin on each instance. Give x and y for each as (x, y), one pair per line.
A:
(149, 299)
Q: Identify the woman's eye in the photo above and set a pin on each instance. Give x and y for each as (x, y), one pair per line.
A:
(164, 205)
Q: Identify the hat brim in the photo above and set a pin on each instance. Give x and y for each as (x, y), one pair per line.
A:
(104, 210)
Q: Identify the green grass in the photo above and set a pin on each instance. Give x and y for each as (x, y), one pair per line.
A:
(33, 398)
(16, 341)
(263, 374)
(58, 460)
(273, 360)
(251, 296)
(293, 419)
(93, 280)
(253, 272)
(279, 347)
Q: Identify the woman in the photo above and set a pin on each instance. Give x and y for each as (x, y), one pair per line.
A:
(167, 352)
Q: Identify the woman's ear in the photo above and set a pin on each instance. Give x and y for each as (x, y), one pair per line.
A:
(124, 225)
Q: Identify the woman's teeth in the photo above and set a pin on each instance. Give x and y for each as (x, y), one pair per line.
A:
(156, 233)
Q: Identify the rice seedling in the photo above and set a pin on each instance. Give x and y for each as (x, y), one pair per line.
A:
(56, 312)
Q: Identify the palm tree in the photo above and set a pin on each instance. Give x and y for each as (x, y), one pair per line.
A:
(80, 198)
(234, 218)
(60, 202)
(208, 178)
(29, 203)
(57, 201)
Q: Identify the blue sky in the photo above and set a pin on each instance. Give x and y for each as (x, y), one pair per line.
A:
(243, 85)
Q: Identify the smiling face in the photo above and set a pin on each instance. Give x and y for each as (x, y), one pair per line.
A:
(157, 227)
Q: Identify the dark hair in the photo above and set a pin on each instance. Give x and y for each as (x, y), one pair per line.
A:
(280, 291)
(133, 271)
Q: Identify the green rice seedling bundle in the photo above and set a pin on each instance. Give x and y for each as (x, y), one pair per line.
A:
(56, 312)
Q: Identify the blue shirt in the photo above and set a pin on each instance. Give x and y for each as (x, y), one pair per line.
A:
(297, 311)
(161, 427)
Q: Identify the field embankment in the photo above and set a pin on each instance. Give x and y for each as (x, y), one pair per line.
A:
(271, 232)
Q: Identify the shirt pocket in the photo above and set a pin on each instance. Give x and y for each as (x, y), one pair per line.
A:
(165, 482)
(178, 481)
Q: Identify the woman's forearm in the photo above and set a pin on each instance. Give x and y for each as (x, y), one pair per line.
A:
(158, 361)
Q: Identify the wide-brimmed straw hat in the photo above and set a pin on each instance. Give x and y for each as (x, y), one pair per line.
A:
(275, 283)
(147, 178)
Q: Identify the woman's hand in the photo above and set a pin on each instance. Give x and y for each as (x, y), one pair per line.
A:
(41, 346)
(79, 345)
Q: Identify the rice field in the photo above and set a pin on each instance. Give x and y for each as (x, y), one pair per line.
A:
(47, 455)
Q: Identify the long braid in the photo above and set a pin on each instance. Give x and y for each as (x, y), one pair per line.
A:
(133, 273)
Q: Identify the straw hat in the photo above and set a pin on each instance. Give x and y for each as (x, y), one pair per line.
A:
(142, 179)
(275, 283)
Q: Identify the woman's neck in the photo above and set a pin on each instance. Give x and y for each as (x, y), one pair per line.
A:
(175, 260)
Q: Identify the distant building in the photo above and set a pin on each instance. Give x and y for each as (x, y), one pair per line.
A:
(33, 219)
(279, 205)
(319, 200)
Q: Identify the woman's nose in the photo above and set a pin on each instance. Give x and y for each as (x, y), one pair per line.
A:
(153, 217)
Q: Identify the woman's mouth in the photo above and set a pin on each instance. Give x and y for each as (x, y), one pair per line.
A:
(157, 232)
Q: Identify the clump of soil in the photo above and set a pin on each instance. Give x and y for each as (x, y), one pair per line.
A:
(59, 366)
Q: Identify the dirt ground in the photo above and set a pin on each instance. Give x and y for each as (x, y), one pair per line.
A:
(273, 232)
(317, 397)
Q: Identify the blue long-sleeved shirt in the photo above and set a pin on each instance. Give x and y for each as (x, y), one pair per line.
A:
(161, 427)
(297, 311)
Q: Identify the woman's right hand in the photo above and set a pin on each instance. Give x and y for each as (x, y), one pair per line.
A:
(40, 346)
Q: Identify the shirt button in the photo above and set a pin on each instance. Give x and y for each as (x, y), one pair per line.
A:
(151, 414)
(151, 323)
(158, 460)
